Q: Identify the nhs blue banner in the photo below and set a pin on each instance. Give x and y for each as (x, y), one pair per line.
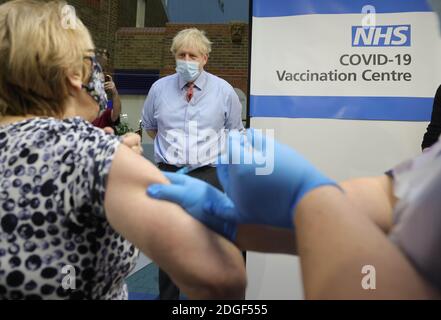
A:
(368, 60)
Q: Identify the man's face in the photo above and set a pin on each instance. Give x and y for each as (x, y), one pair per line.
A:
(192, 54)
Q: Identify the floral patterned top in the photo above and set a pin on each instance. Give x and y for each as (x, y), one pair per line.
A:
(55, 241)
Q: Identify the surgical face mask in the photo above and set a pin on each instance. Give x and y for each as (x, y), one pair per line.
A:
(189, 70)
(95, 87)
(436, 7)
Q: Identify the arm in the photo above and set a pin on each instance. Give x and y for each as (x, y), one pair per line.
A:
(148, 121)
(338, 229)
(205, 202)
(325, 220)
(203, 264)
(434, 129)
(372, 197)
(116, 111)
(234, 111)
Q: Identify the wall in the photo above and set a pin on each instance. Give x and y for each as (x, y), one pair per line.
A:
(127, 13)
(208, 11)
(104, 17)
(155, 14)
(101, 18)
(139, 48)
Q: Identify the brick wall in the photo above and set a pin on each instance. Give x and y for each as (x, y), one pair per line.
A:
(139, 48)
(94, 14)
(127, 13)
(107, 26)
(103, 18)
(89, 14)
(155, 15)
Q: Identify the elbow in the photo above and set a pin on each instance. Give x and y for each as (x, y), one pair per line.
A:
(233, 286)
(221, 286)
(227, 287)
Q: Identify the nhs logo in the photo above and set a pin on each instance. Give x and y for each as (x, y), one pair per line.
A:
(381, 36)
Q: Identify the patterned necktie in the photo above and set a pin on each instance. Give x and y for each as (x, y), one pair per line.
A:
(190, 87)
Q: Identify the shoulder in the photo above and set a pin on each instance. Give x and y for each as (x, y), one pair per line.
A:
(219, 82)
(88, 134)
(78, 134)
(55, 127)
(165, 82)
(81, 127)
(72, 142)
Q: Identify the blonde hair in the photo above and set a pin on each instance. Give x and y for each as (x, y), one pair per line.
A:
(37, 53)
(192, 38)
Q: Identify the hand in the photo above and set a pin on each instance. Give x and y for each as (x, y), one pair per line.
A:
(133, 141)
(110, 85)
(266, 199)
(199, 199)
(109, 130)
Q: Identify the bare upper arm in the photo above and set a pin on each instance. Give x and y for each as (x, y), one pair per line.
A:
(374, 197)
(335, 244)
(197, 259)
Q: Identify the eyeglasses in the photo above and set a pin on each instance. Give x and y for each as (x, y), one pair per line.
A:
(88, 70)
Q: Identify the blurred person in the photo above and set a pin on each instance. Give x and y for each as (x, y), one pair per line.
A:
(110, 117)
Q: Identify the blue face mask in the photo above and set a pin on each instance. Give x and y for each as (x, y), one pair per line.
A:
(189, 70)
(95, 87)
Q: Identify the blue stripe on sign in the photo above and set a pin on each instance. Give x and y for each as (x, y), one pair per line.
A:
(280, 8)
(355, 108)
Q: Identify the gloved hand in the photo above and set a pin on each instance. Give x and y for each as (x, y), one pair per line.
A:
(260, 198)
(199, 199)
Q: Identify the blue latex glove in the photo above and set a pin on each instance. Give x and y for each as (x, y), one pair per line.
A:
(199, 199)
(266, 199)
